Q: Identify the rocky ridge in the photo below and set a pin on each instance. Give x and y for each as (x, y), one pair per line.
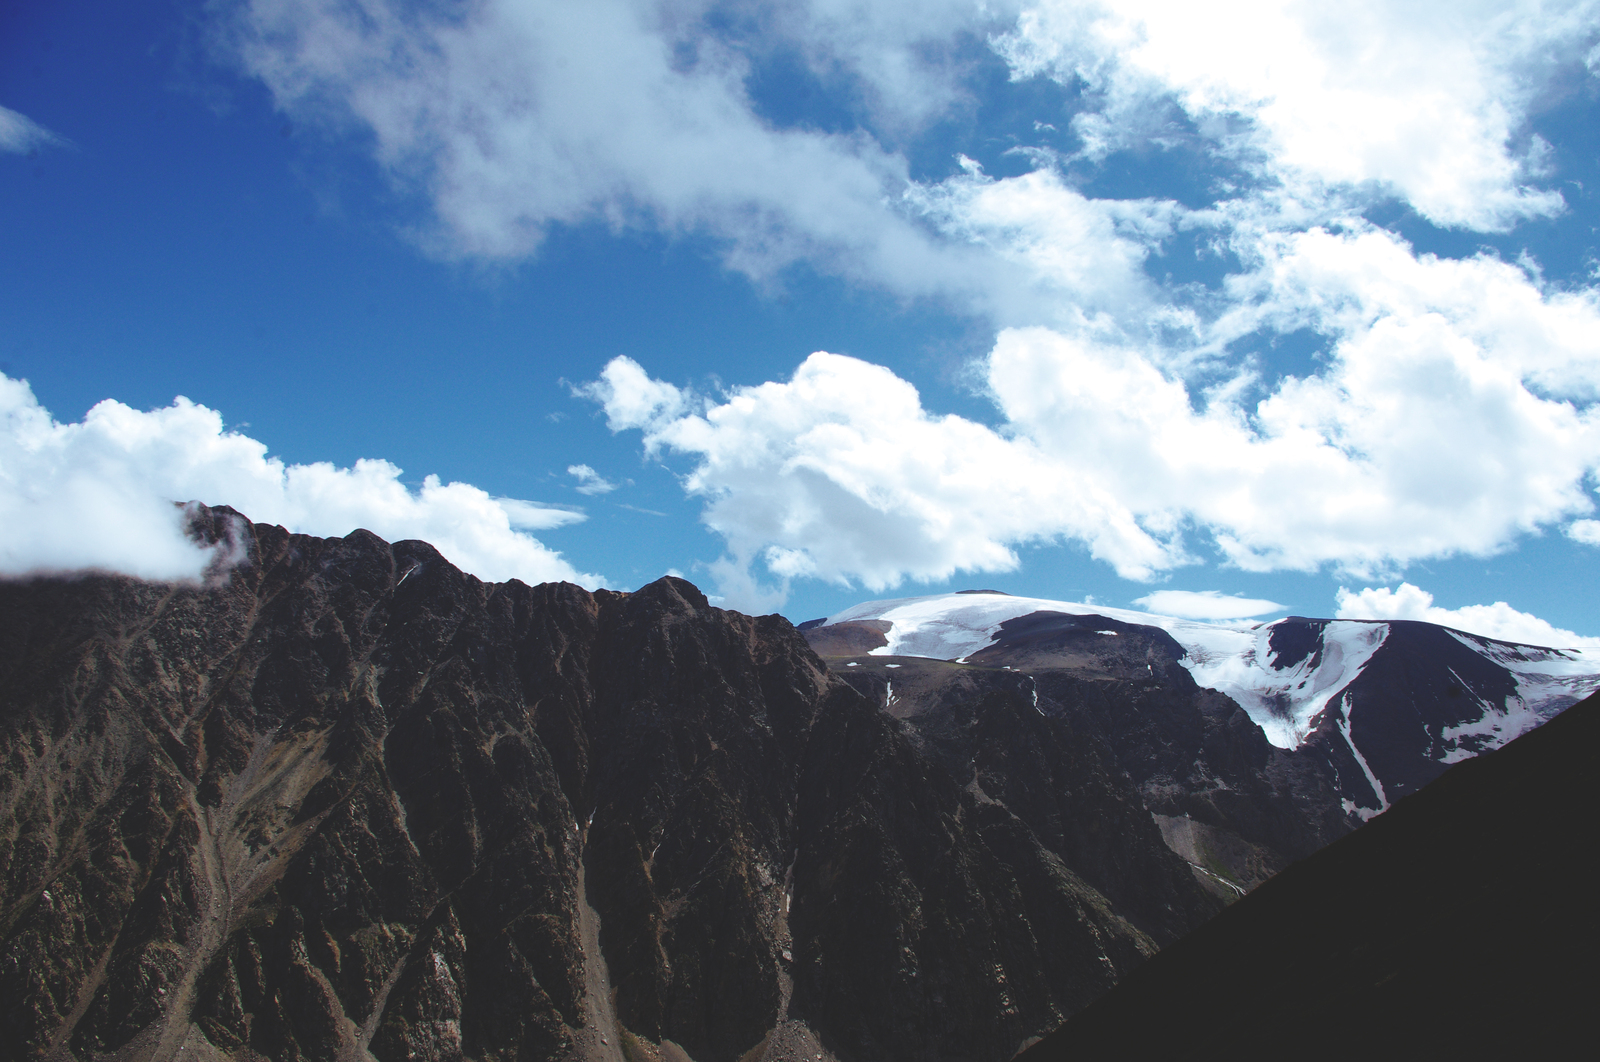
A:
(345, 802)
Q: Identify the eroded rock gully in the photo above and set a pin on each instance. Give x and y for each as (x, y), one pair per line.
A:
(347, 802)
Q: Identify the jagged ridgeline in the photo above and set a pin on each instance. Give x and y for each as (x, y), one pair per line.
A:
(347, 801)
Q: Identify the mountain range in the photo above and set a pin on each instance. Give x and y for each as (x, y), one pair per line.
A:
(344, 801)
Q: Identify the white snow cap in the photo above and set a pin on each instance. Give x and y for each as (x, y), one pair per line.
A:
(1234, 658)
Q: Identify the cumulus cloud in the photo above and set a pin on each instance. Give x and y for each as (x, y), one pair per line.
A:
(20, 134)
(509, 116)
(840, 474)
(1453, 403)
(1499, 620)
(1205, 605)
(1416, 442)
(1425, 437)
(590, 481)
(100, 493)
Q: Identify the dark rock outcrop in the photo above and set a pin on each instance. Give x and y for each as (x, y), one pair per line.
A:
(1088, 729)
(346, 801)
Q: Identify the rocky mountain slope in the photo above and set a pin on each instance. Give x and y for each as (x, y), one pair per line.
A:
(346, 802)
(1460, 924)
(1252, 745)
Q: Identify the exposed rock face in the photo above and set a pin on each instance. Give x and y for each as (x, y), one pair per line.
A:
(1355, 713)
(349, 802)
(1107, 748)
(1363, 712)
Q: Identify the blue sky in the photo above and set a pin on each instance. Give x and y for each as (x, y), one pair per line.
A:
(1127, 300)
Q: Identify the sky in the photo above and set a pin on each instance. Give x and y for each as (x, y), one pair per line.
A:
(1220, 311)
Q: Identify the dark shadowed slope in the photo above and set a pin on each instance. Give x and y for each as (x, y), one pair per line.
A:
(1461, 923)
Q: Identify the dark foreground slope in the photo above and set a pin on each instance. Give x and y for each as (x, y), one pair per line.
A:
(1461, 923)
(347, 802)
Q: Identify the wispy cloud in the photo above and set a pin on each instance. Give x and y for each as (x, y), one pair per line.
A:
(590, 481)
(99, 493)
(511, 117)
(1205, 605)
(20, 134)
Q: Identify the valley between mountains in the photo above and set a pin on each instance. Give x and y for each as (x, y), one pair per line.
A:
(345, 802)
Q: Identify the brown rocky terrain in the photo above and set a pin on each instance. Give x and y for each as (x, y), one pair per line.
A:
(1054, 709)
(347, 802)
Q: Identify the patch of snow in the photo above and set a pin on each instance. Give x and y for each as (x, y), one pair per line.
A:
(1548, 680)
(1112, 633)
(1231, 657)
(891, 665)
(1285, 703)
(1216, 877)
(1346, 706)
(1237, 659)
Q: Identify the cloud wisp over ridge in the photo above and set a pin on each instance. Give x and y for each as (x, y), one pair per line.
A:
(101, 493)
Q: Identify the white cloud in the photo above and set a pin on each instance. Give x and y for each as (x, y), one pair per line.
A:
(100, 493)
(20, 134)
(1585, 531)
(1415, 442)
(840, 474)
(590, 481)
(1205, 605)
(1422, 100)
(1083, 257)
(1346, 284)
(511, 116)
(1498, 620)
(1452, 409)
(631, 398)
(1421, 439)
